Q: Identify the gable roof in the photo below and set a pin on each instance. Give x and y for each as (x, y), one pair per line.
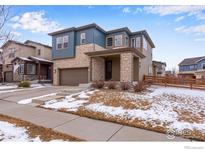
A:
(94, 25)
(190, 61)
(47, 46)
(16, 42)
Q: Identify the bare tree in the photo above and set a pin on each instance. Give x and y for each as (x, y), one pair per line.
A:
(5, 33)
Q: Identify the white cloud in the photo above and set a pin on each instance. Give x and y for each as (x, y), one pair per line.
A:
(197, 29)
(199, 39)
(15, 33)
(179, 18)
(126, 10)
(137, 10)
(35, 22)
(196, 10)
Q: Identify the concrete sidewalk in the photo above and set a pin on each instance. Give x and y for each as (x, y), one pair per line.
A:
(80, 127)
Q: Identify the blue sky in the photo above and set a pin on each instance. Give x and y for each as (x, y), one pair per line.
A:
(177, 31)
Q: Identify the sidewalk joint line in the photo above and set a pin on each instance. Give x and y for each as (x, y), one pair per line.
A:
(66, 122)
(115, 133)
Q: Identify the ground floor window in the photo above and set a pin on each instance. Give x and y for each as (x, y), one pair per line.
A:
(21, 69)
(31, 69)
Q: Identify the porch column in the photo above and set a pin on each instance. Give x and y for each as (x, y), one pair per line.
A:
(126, 67)
(39, 71)
(98, 68)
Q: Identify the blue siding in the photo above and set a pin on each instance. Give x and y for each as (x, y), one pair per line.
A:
(64, 53)
(99, 38)
(188, 68)
(200, 64)
(193, 67)
(89, 36)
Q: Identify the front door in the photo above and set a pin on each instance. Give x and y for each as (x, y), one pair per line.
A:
(108, 69)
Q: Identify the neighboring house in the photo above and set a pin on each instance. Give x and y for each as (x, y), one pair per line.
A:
(192, 68)
(90, 53)
(158, 68)
(26, 61)
(1, 65)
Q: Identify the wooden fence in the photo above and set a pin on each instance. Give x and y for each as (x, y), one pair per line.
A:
(175, 81)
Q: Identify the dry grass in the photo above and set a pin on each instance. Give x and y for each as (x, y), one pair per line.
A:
(112, 98)
(115, 98)
(45, 134)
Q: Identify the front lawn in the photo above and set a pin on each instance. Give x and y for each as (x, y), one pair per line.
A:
(163, 109)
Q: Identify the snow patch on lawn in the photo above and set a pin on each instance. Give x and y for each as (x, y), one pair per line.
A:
(167, 105)
(70, 103)
(27, 101)
(10, 132)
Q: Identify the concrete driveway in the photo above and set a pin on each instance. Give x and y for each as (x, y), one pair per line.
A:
(74, 125)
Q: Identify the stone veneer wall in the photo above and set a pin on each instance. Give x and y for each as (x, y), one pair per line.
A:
(126, 67)
(98, 69)
(80, 60)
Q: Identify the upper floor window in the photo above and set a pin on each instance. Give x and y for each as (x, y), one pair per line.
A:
(118, 40)
(39, 52)
(65, 41)
(138, 42)
(109, 41)
(62, 42)
(133, 42)
(126, 41)
(11, 52)
(144, 43)
(203, 66)
(82, 38)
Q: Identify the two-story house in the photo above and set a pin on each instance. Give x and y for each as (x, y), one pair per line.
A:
(192, 68)
(158, 68)
(26, 61)
(1, 66)
(90, 53)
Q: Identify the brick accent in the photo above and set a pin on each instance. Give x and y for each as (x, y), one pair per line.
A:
(80, 60)
(98, 68)
(126, 67)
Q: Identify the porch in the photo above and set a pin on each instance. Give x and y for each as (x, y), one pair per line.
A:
(116, 65)
(32, 68)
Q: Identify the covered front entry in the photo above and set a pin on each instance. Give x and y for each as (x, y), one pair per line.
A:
(122, 64)
(73, 76)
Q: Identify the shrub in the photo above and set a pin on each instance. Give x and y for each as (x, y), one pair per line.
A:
(125, 85)
(111, 85)
(98, 84)
(139, 87)
(24, 84)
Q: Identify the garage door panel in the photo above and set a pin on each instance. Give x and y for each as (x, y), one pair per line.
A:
(73, 76)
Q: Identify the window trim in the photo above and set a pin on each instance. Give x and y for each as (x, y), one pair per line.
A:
(121, 44)
(62, 42)
(110, 37)
(82, 38)
(133, 45)
(33, 67)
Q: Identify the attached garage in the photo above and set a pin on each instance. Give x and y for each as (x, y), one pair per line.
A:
(73, 76)
(8, 76)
